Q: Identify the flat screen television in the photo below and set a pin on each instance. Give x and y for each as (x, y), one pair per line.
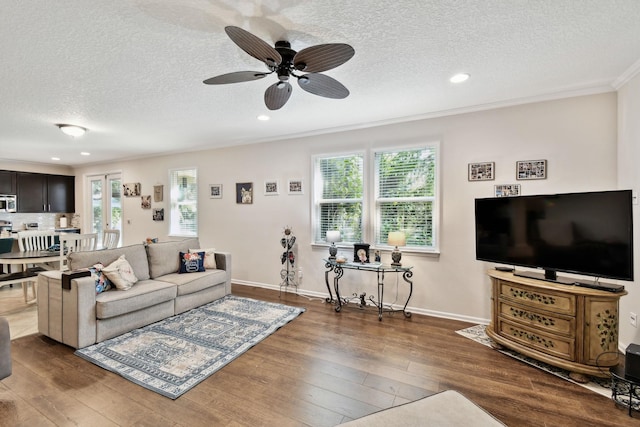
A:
(583, 233)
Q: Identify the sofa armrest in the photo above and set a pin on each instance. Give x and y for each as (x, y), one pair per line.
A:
(223, 262)
(67, 315)
(5, 349)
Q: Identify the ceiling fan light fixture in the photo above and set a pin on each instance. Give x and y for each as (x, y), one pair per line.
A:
(72, 130)
(459, 78)
(303, 80)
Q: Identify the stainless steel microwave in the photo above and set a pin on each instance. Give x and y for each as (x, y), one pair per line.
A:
(8, 203)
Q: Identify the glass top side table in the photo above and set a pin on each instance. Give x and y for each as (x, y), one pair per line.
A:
(380, 269)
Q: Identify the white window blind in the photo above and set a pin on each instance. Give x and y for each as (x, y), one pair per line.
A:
(184, 202)
(405, 194)
(338, 194)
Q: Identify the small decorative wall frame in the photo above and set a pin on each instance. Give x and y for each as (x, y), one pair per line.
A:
(244, 193)
(145, 202)
(484, 171)
(295, 186)
(215, 191)
(131, 189)
(271, 187)
(158, 193)
(507, 190)
(158, 214)
(531, 169)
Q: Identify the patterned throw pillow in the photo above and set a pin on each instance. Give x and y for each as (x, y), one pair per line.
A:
(191, 262)
(102, 283)
(121, 274)
(209, 257)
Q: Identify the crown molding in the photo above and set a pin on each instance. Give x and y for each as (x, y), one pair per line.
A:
(625, 77)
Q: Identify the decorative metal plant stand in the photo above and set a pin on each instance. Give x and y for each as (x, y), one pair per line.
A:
(288, 259)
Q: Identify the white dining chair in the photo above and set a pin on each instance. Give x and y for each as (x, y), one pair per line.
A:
(110, 238)
(33, 240)
(74, 242)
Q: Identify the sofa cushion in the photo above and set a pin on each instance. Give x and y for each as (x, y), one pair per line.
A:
(191, 262)
(194, 282)
(121, 273)
(135, 254)
(163, 256)
(209, 257)
(102, 282)
(145, 293)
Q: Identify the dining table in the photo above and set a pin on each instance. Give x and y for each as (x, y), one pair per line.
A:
(41, 260)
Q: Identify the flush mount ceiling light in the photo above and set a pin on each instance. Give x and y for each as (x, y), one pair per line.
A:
(72, 130)
(263, 117)
(459, 78)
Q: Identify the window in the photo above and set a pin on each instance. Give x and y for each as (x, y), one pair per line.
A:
(403, 197)
(184, 202)
(338, 193)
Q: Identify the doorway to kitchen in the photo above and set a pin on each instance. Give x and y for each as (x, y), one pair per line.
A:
(105, 210)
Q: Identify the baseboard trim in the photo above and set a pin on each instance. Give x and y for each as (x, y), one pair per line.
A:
(323, 295)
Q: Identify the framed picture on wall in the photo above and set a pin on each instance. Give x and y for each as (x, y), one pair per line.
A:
(215, 191)
(271, 187)
(158, 193)
(131, 189)
(295, 186)
(244, 193)
(531, 169)
(507, 190)
(484, 171)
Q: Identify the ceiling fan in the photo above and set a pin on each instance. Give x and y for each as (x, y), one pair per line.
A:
(286, 63)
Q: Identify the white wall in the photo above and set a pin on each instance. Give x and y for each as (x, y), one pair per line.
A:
(628, 175)
(577, 136)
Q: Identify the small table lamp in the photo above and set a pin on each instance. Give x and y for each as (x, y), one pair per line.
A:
(396, 238)
(333, 236)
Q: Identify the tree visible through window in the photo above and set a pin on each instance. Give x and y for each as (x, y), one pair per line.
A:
(403, 197)
(184, 202)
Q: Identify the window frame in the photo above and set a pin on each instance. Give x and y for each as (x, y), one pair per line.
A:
(370, 206)
(174, 203)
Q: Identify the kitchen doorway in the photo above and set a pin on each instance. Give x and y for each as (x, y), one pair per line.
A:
(105, 210)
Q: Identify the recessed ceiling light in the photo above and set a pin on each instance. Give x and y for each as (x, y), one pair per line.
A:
(459, 78)
(263, 117)
(55, 158)
(84, 153)
(72, 130)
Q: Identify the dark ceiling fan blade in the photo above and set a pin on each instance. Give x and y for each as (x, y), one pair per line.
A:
(254, 46)
(277, 95)
(237, 77)
(319, 84)
(322, 57)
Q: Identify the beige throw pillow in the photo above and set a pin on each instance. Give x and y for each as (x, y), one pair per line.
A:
(209, 257)
(121, 274)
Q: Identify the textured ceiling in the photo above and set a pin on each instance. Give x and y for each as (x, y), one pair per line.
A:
(131, 71)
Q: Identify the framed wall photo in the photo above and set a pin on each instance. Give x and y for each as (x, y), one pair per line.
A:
(531, 169)
(507, 190)
(295, 186)
(145, 203)
(271, 187)
(131, 189)
(215, 191)
(244, 193)
(484, 171)
(158, 214)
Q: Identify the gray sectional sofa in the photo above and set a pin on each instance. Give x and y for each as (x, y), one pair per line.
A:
(80, 317)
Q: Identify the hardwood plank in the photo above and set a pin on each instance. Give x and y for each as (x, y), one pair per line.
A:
(321, 369)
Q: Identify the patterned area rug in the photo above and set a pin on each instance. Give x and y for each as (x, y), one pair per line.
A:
(598, 385)
(172, 356)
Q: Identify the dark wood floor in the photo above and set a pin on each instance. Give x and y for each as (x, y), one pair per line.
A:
(322, 369)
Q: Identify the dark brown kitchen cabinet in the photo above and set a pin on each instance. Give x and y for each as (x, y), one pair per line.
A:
(45, 193)
(8, 182)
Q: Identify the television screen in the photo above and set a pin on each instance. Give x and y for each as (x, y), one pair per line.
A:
(584, 233)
